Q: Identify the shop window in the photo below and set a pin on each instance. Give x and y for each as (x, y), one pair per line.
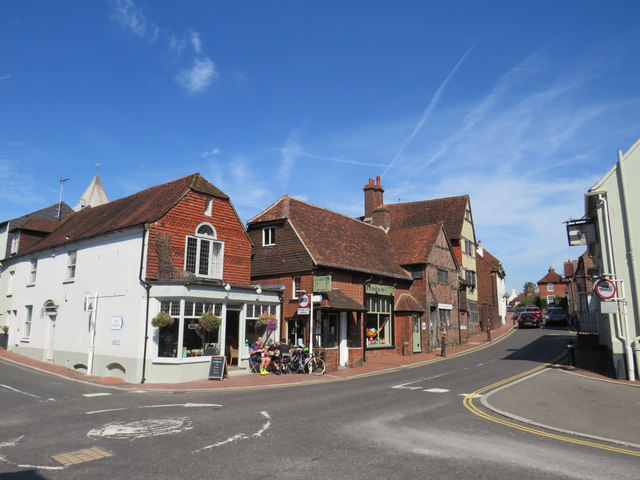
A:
(296, 330)
(253, 311)
(445, 318)
(354, 336)
(184, 338)
(379, 322)
(327, 331)
(204, 254)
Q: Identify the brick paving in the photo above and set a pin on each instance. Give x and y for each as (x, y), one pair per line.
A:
(81, 456)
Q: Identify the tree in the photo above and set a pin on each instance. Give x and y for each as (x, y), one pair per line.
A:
(529, 288)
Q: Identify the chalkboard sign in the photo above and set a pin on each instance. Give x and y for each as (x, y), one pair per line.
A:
(218, 367)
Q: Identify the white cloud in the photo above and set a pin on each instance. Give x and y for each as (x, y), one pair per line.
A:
(288, 151)
(129, 17)
(195, 42)
(199, 76)
(214, 152)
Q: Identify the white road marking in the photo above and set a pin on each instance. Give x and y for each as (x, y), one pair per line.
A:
(141, 428)
(40, 467)
(470, 395)
(20, 391)
(436, 390)
(242, 436)
(105, 411)
(185, 405)
(403, 386)
(90, 395)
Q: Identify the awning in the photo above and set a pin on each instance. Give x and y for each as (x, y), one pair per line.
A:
(336, 300)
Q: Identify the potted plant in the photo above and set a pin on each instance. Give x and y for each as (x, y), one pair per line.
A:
(162, 319)
(208, 321)
(267, 322)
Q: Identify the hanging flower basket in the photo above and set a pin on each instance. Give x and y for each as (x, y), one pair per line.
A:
(5, 329)
(208, 321)
(163, 319)
(267, 322)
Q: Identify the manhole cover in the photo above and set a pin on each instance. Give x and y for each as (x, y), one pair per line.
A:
(81, 456)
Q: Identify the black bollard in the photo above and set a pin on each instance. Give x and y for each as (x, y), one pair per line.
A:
(571, 353)
(488, 334)
(443, 350)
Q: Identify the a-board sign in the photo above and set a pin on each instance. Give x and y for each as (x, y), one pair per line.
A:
(218, 367)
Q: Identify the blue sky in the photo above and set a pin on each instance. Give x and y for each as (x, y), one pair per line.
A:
(521, 105)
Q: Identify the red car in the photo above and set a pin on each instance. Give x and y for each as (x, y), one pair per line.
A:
(535, 310)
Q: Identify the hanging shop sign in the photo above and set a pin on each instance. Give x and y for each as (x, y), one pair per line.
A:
(322, 284)
(375, 289)
(581, 233)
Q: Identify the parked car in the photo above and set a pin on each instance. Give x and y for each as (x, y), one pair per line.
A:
(536, 310)
(529, 319)
(556, 315)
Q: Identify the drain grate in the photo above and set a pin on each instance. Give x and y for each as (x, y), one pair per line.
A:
(81, 456)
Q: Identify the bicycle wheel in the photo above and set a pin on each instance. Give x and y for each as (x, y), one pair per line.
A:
(317, 366)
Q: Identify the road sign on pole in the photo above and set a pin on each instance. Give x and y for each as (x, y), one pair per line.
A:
(605, 289)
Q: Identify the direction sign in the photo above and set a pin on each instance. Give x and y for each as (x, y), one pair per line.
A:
(605, 289)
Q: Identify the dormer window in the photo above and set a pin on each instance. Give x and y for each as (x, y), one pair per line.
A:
(268, 236)
(204, 254)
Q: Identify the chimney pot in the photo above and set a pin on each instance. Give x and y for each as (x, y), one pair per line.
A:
(378, 180)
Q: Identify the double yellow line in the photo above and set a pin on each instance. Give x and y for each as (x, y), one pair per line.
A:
(468, 403)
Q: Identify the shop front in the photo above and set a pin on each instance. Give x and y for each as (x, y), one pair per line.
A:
(182, 348)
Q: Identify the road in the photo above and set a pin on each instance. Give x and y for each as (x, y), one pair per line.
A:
(410, 423)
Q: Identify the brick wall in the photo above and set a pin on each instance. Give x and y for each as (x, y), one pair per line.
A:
(183, 219)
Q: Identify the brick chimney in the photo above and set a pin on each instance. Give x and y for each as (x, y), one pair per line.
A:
(373, 198)
(381, 217)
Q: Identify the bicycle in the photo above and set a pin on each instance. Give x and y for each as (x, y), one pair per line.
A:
(302, 362)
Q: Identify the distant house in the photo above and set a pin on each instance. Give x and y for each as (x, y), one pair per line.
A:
(351, 268)
(491, 289)
(85, 294)
(552, 285)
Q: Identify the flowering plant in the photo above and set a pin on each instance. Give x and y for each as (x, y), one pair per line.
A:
(208, 321)
(5, 328)
(267, 321)
(163, 319)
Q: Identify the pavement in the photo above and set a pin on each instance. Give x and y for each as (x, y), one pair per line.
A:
(581, 400)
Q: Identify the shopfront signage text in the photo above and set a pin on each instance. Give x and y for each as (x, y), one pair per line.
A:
(375, 289)
(322, 284)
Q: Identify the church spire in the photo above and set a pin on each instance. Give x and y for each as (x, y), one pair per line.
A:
(94, 195)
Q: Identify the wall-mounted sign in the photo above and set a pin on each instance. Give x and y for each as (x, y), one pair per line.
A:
(605, 289)
(322, 284)
(304, 311)
(581, 233)
(375, 289)
(117, 323)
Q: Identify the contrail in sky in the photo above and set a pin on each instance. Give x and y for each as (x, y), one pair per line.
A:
(5, 77)
(432, 104)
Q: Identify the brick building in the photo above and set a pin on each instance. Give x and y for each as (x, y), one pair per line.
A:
(349, 264)
(552, 285)
(491, 289)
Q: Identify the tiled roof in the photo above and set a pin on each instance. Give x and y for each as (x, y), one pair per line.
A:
(491, 260)
(552, 277)
(450, 211)
(335, 240)
(414, 244)
(337, 300)
(137, 209)
(408, 303)
(40, 225)
(48, 213)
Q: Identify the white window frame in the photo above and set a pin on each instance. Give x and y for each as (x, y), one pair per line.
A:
(551, 300)
(11, 282)
(215, 262)
(26, 330)
(268, 236)
(33, 273)
(72, 261)
(15, 243)
(550, 287)
(208, 208)
(295, 286)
